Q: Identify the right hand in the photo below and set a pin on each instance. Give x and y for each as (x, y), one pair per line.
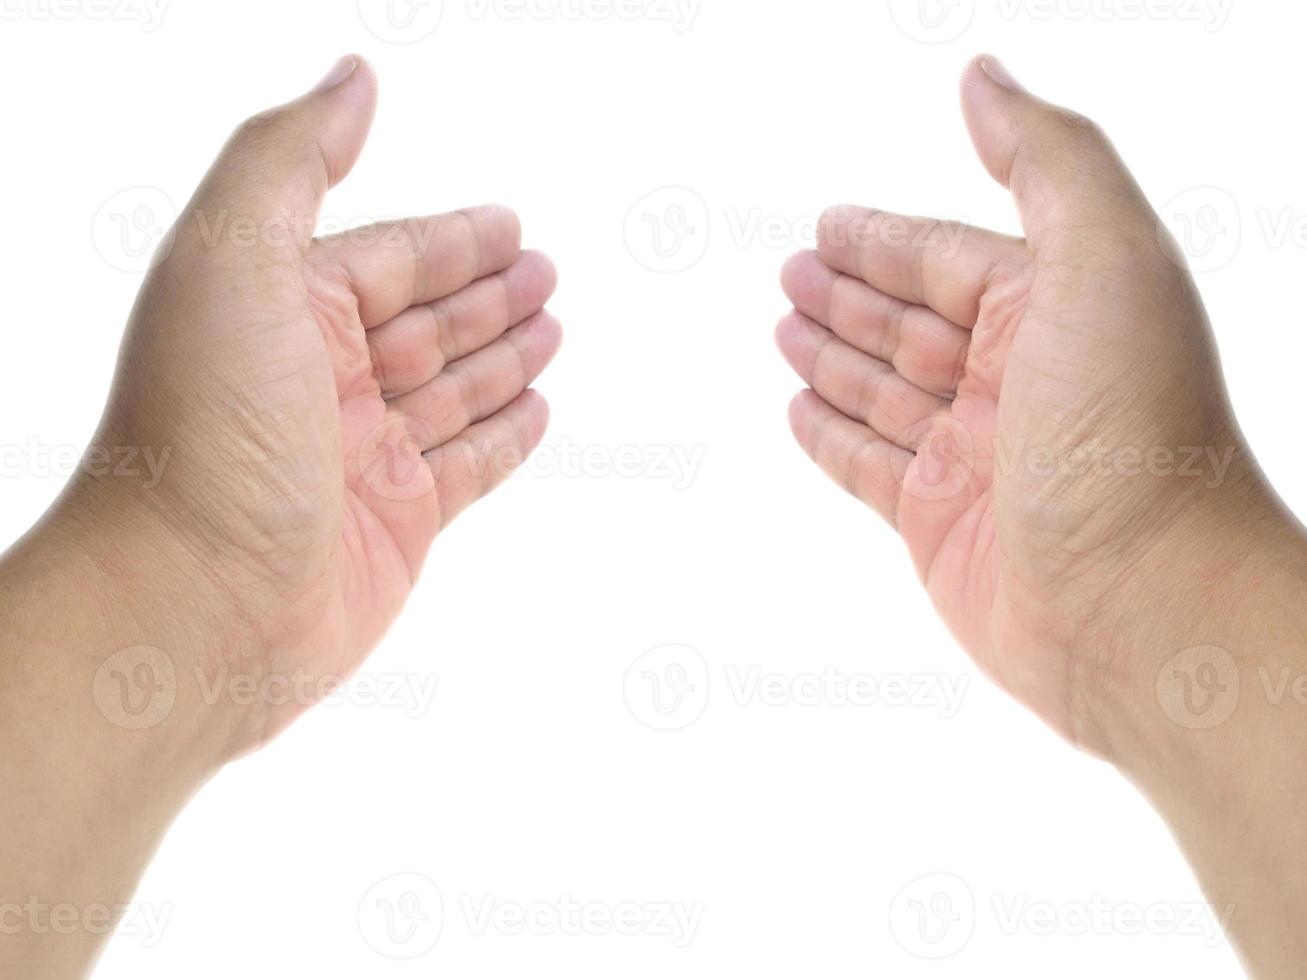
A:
(1026, 411)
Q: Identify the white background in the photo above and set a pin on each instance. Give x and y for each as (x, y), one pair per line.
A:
(532, 775)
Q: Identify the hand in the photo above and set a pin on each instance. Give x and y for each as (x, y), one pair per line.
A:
(1045, 423)
(324, 406)
(315, 411)
(1043, 420)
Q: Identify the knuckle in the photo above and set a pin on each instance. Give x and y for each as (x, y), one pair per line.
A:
(258, 128)
(1078, 129)
(898, 404)
(839, 225)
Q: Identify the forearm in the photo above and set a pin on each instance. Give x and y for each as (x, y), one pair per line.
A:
(1214, 735)
(94, 764)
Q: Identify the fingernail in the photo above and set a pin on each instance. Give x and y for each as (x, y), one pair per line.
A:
(340, 71)
(997, 71)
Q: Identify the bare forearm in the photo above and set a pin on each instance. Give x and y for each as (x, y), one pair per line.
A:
(1215, 735)
(96, 757)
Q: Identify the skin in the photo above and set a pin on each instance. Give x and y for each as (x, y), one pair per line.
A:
(326, 407)
(959, 380)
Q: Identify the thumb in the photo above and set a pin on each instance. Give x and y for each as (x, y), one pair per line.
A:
(278, 165)
(1064, 173)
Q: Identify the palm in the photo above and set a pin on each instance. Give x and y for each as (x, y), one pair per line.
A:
(334, 402)
(984, 392)
(951, 493)
(387, 503)
(970, 498)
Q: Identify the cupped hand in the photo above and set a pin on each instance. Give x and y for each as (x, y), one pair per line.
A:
(325, 406)
(1043, 419)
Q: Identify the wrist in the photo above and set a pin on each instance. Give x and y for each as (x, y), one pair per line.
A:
(1203, 703)
(104, 623)
(105, 741)
(1205, 651)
